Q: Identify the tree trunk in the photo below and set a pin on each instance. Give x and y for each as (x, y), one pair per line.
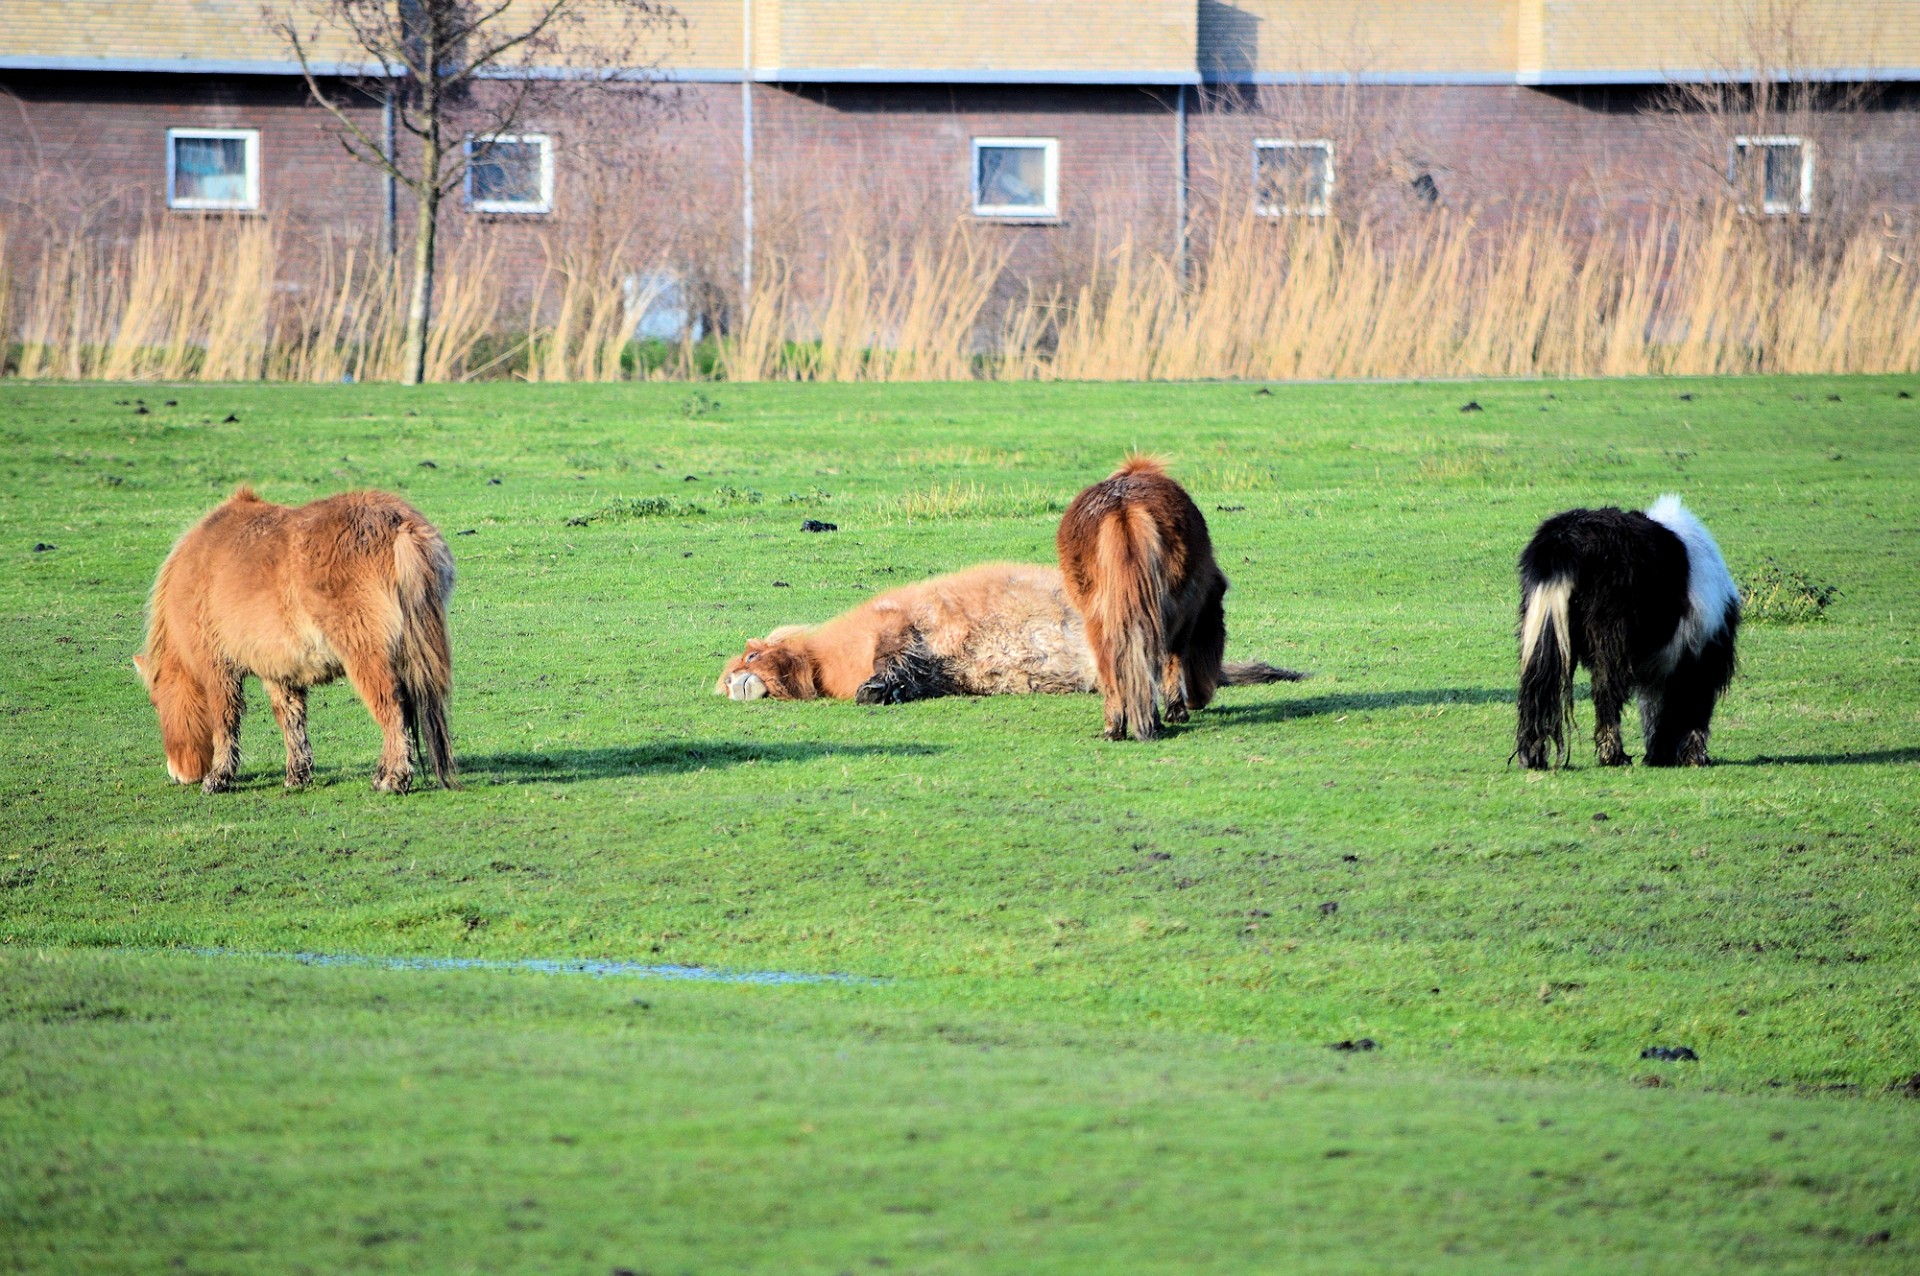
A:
(420, 312)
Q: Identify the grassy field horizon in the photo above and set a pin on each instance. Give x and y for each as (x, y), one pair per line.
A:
(1097, 984)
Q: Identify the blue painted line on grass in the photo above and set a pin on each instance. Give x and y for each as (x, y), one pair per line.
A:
(541, 965)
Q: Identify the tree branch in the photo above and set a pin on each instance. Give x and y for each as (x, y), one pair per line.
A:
(371, 153)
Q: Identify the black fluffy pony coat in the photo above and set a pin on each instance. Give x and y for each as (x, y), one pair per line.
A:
(1613, 590)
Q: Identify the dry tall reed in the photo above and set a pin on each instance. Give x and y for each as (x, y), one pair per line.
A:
(1680, 291)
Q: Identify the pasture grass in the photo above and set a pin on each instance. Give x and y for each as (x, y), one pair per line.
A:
(1104, 977)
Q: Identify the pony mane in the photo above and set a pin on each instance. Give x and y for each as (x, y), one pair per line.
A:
(1151, 463)
(158, 641)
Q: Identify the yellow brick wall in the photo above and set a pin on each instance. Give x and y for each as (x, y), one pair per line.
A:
(1554, 38)
(235, 30)
(987, 35)
(224, 29)
(1685, 35)
(1358, 36)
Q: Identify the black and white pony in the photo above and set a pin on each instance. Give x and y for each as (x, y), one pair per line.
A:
(1646, 603)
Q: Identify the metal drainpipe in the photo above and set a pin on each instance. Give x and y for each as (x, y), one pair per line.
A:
(392, 228)
(1180, 181)
(746, 159)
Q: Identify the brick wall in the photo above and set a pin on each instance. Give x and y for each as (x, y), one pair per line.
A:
(1489, 148)
(91, 146)
(94, 145)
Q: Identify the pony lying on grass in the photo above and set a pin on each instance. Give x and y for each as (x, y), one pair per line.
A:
(354, 584)
(1139, 565)
(1644, 601)
(996, 629)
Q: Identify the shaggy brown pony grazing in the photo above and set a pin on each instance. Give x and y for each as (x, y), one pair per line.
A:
(1139, 565)
(996, 629)
(354, 584)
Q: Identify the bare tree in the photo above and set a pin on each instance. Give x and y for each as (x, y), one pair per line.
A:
(458, 74)
(1765, 101)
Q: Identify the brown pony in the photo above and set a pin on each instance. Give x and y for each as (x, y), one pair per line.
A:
(354, 584)
(996, 629)
(1138, 563)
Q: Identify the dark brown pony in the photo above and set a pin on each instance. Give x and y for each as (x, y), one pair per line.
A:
(354, 584)
(1139, 566)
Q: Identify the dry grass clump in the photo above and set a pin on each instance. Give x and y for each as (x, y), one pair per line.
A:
(1683, 291)
(1301, 298)
(207, 300)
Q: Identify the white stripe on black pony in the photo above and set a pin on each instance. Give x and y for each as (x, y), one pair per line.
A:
(1645, 602)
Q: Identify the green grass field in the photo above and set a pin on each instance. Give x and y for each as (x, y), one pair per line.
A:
(1098, 982)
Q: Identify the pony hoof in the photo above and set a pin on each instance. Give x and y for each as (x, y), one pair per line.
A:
(298, 781)
(396, 782)
(215, 784)
(1177, 715)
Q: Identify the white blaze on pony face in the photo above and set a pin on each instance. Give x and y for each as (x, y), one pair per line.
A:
(1711, 594)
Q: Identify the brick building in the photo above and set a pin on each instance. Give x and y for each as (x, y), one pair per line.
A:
(1049, 118)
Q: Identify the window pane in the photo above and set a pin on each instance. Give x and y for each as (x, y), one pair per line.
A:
(506, 173)
(213, 169)
(1293, 177)
(1783, 176)
(1013, 177)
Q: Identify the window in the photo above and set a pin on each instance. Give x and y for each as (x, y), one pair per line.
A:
(213, 168)
(510, 173)
(1292, 178)
(1016, 177)
(659, 307)
(1772, 175)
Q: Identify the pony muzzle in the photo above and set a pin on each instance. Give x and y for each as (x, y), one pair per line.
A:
(743, 685)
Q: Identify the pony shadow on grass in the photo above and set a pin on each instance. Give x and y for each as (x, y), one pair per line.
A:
(569, 766)
(1356, 702)
(1868, 758)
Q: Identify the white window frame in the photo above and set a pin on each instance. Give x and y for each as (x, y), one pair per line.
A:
(1316, 209)
(1050, 149)
(251, 201)
(545, 202)
(1755, 144)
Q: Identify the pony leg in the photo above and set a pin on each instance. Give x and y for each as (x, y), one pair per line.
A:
(226, 697)
(373, 677)
(1173, 689)
(910, 674)
(1110, 701)
(1609, 697)
(1655, 729)
(1678, 736)
(290, 710)
(1202, 651)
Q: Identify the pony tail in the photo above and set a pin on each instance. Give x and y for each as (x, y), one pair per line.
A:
(423, 653)
(1129, 580)
(1257, 673)
(1546, 674)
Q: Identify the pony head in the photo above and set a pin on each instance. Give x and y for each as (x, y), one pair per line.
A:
(186, 725)
(775, 667)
